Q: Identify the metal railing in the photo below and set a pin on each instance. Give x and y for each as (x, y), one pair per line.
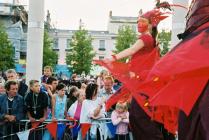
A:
(40, 132)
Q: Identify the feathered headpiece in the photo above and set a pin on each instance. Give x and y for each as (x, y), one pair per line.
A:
(154, 16)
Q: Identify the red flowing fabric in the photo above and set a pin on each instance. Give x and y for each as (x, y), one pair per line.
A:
(167, 116)
(178, 79)
(180, 76)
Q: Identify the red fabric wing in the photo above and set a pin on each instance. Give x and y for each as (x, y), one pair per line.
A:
(122, 94)
(182, 74)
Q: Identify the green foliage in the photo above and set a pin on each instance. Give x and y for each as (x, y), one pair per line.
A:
(50, 57)
(81, 54)
(6, 51)
(164, 39)
(126, 37)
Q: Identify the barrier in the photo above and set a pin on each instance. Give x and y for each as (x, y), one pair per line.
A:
(23, 128)
(46, 129)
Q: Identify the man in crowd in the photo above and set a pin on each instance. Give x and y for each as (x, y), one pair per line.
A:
(22, 87)
(11, 110)
(36, 106)
(107, 90)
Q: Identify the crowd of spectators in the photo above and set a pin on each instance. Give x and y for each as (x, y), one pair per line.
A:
(50, 98)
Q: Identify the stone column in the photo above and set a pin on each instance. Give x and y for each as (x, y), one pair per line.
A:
(35, 40)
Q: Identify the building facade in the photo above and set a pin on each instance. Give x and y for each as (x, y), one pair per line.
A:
(103, 41)
(14, 19)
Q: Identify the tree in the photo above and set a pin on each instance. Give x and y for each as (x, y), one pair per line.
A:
(126, 37)
(81, 54)
(7, 51)
(50, 57)
(164, 39)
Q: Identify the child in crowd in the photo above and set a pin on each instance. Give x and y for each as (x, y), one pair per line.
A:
(59, 103)
(59, 107)
(47, 73)
(120, 118)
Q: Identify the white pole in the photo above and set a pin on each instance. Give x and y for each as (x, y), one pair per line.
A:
(35, 40)
(178, 21)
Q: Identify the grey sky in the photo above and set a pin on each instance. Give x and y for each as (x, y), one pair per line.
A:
(94, 13)
(65, 14)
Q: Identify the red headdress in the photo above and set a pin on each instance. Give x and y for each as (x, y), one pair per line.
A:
(154, 16)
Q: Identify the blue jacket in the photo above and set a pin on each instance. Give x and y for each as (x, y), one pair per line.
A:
(17, 107)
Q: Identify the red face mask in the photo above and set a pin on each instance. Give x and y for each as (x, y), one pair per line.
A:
(142, 26)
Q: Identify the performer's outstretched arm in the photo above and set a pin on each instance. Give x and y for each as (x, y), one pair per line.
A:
(130, 51)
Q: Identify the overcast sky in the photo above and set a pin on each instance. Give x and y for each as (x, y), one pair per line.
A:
(65, 14)
(94, 13)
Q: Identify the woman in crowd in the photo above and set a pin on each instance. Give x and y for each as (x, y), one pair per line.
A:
(92, 108)
(75, 109)
(75, 112)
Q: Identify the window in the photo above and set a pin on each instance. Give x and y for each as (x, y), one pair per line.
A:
(68, 44)
(55, 44)
(101, 57)
(120, 27)
(102, 45)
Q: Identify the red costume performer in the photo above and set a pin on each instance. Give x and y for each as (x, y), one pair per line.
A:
(133, 73)
(179, 79)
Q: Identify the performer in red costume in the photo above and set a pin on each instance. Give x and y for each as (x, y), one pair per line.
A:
(143, 56)
(180, 79)
(133, 74)
(142, 126)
